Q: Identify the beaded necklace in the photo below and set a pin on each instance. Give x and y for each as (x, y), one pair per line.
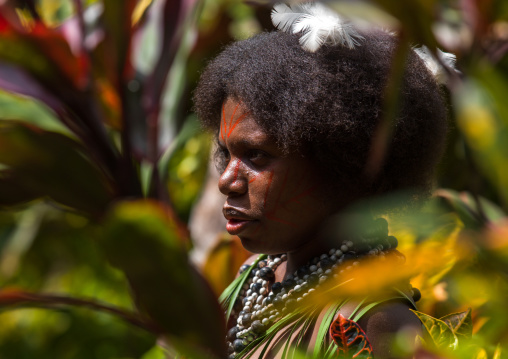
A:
(257, 307)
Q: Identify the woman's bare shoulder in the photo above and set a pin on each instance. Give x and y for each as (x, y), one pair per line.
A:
(385, 322)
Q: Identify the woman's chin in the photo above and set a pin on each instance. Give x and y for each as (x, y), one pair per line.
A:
(256, 245)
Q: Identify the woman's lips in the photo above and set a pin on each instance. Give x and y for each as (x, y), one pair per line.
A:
(238, 221)
(236, 226)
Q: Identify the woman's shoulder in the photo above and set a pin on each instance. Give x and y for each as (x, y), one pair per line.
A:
(387, 321)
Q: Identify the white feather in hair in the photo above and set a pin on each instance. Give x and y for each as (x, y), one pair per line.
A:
(434, 66)
(318, 24)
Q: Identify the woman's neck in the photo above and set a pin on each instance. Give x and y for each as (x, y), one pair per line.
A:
(330, 235)
(303, 255)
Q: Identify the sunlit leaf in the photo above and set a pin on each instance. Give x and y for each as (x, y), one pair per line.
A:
(223, 262)
(325, 328)
(351, 340)
(481, 118)
(439, 332)
(498, 352)
(143, 242)
(481, 354)
(15, 107)
(140, 9)
(461, 324)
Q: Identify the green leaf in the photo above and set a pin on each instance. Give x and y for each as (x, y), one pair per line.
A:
(141, 240)
(227, 298)
(461, 324)
(26, 109)
(294, 327)
(324, 327)
(52, 164)
(439, 332)
(351, 340)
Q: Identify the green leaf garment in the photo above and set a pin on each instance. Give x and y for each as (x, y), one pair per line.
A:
(341, 337)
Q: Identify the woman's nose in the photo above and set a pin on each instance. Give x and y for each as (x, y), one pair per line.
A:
(232, 182)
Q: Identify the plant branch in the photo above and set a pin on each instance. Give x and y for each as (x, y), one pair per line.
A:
(15, 297)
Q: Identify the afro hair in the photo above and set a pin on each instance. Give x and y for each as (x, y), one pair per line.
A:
(328, 104)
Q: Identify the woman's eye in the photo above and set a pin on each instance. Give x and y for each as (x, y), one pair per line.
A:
(258, 158)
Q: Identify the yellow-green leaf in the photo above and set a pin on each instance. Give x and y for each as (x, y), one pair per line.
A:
(441, 334)
(461, 323)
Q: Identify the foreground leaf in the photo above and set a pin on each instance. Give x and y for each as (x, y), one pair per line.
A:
(351, 340)
(140, 240)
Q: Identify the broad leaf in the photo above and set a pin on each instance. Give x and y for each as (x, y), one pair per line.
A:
(140, 240)
(438, 331)
(351, 340)
(460, 323)
(54, 165)
(12, 190)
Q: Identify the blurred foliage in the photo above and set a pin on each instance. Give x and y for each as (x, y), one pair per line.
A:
(100, 164)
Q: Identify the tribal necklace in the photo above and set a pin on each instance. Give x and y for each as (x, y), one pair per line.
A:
(258, 307)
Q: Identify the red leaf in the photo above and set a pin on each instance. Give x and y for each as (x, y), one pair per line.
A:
(43, 52)
(351, 340)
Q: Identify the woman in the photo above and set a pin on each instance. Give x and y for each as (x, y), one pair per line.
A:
(295, 127)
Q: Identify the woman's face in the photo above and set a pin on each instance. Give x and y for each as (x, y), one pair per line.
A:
(275, 202)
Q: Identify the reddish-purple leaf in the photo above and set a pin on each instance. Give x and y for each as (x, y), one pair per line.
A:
(351, 340)
(14, 79)
(175, 12)
(43, 52)
(114, 55)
